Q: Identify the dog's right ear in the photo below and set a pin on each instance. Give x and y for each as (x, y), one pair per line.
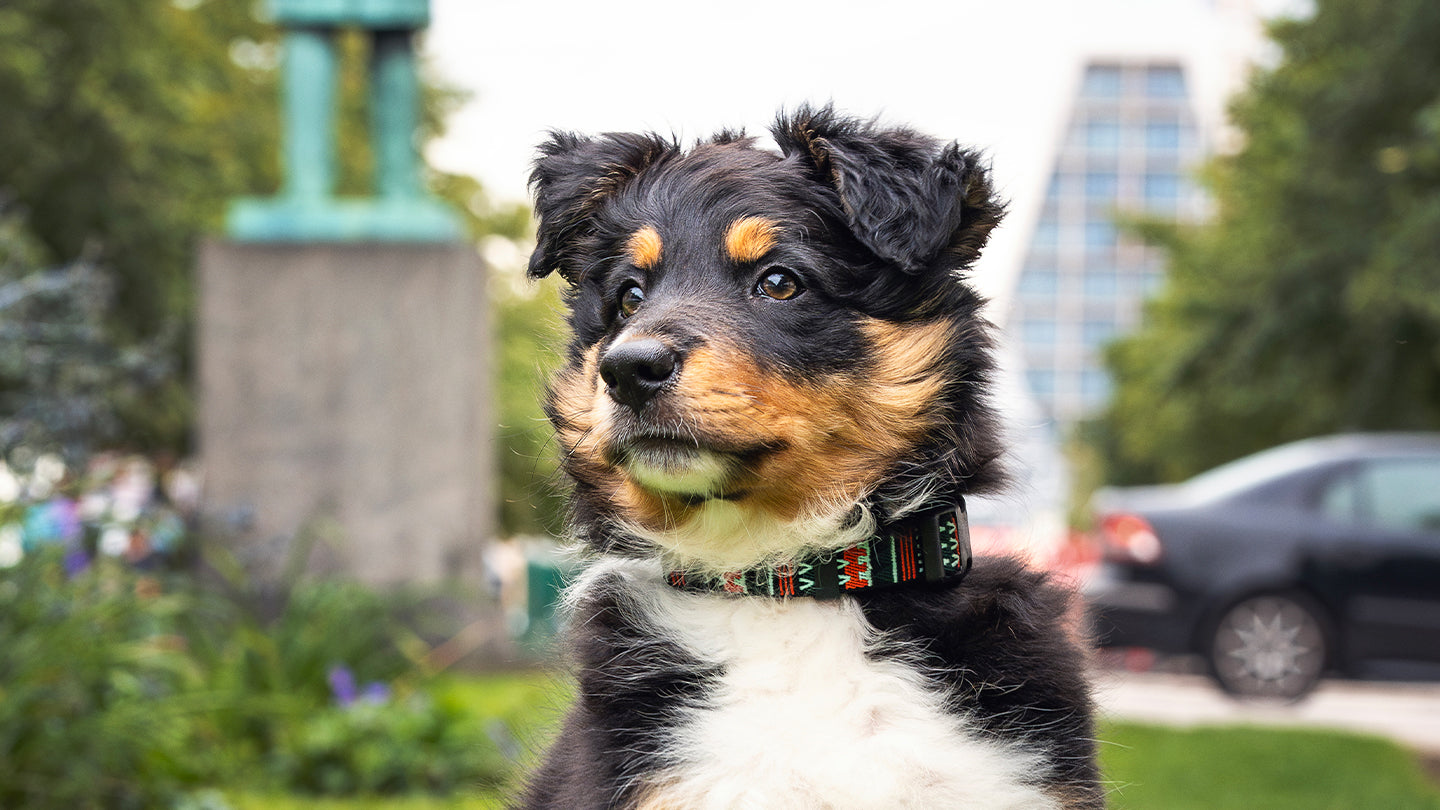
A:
(908, 197)
(573, 177)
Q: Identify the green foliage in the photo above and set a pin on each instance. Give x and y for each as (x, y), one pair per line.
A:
(286, 642)
(1308, 306)
(124, 690)
(281, 709)
(486, 800)
(1239, 768)
(115, 114)
(130, 124)
(94, 690)
(416, 745)
(531, 337)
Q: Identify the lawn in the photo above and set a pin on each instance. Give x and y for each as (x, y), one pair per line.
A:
(1245, 768)
(1146, 767)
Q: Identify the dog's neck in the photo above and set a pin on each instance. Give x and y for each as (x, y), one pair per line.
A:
(927, 547)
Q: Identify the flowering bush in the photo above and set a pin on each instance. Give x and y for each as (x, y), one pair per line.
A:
(122, 688)
(120, 507)
(368, 742)
(96, 691)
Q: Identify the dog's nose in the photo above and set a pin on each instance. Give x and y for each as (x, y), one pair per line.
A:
(636, 370)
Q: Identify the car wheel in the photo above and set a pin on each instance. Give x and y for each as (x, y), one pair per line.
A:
(1272, 646)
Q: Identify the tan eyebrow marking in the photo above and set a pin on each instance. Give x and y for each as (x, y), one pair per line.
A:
(644, 247)
(749, 238)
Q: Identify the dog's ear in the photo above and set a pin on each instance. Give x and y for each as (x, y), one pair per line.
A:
(573, 177)
(908, 198)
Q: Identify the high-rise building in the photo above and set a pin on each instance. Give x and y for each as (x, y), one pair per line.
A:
(1130, 147)
(1143, 106)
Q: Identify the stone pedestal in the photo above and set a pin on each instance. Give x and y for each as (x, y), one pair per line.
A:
(344, 400)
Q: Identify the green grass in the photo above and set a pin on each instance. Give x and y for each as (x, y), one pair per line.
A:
(1246, 768)
(267, 802)
(1145, 767)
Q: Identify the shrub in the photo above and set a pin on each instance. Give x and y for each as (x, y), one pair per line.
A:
(415, 745)
(119, 690)
(93, 685)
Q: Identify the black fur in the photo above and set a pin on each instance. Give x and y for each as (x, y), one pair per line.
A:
(881, 224)
(630, 681)
(993, 643)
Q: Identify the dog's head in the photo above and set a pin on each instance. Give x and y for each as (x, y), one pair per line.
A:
(764, 342)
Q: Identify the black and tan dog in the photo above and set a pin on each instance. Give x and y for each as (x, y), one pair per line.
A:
(773, 407)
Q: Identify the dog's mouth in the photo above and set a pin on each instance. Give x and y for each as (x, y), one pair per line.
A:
(684, 466)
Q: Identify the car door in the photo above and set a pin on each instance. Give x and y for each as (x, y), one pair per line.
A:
(1387, 573)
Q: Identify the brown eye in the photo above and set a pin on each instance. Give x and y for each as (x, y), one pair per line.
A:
(780, 285)
(630, 299)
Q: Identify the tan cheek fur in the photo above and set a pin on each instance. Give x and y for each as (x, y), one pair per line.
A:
(583, 430)
(837, 437)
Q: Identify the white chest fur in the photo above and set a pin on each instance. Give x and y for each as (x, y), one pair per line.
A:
(804, 719)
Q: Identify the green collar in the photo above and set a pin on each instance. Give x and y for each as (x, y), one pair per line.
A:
(929, 547)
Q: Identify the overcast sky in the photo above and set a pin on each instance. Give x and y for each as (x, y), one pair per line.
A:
(994, 75)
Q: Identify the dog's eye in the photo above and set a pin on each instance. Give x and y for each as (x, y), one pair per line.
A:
(780, 284)
(630, 299)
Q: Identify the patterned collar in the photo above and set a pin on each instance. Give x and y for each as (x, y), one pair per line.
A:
(932, 546)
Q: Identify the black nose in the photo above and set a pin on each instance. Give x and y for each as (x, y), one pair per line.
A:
(636, 370)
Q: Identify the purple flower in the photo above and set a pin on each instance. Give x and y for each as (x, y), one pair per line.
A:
(54, 521)
(342, 685)
(76, 561)
(376, 693)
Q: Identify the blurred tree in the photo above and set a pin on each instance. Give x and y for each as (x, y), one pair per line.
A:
(129, 124)
(63, 383)
(1311, 304)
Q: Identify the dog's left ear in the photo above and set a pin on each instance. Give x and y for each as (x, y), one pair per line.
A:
(908, 198)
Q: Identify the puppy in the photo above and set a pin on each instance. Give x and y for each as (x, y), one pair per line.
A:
(771, 411)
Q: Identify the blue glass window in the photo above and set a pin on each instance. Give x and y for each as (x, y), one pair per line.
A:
(1162, 135)
(1101, 284)
(1034, 281)
(1047, 233)
(1094, 386)
(1097, 332)
(1102, 81)
(1101, 185)
(1162, 188)
(1102, 134)
(1165, 82)
(1099, 234)
(1062, 185)
(1042, 382)
(1037, 332)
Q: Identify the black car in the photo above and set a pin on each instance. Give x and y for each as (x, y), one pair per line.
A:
(1318, 556)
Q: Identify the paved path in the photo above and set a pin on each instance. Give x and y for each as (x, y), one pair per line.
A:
(1408, 713)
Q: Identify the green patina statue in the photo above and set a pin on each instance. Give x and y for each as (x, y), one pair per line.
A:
(306, 208)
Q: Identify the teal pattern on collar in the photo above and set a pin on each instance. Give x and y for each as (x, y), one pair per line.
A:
(931, 547)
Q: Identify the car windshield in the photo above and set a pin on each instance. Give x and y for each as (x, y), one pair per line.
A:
(1229, 480)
